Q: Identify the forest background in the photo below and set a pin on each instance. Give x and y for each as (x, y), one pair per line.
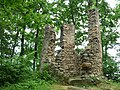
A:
(22, 25)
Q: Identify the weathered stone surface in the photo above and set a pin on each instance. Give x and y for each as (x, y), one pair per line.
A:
(66, 58)
(75, 88)
(90, 64)
(67, 63)
(48, 47)
(93, 52)
(85, 80)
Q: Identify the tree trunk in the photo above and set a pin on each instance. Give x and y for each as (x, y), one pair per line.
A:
(13, 49)
(35, 49)
(1, 42)
(22, 42)
(1, 46)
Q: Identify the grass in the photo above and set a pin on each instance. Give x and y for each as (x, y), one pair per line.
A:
(28, 85)
(108, 85)
(43, 85)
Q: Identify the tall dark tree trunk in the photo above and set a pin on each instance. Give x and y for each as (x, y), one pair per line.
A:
(105, 53)
(22, 42)
(1, 43)
(13, 49)
(35, 49)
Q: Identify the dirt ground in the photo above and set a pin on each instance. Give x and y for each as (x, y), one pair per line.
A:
(102, 86)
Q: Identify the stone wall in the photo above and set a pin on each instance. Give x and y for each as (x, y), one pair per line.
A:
(90, 61)
(91, 58)
(48, 47)
(66, 58)
(95, 41)
(67, 62)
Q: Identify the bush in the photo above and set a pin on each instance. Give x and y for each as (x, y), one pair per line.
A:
(110, 68)
(28, 85)
(47, 74)
(12, 73)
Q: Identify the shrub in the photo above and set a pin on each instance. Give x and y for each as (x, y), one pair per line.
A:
(110, 68)
(47, 74)
(12, 73)
(28, 85)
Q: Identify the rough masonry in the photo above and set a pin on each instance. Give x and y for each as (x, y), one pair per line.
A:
(91, 58)
(66, 58)
(90, 61)
(67, 63)
(48, 47)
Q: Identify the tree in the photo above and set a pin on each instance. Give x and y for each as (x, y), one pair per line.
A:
(17, 17)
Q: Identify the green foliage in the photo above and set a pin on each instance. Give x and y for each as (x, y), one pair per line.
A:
(17, 16)
(46, 74)
(110, 68)
(28, 85)
(12, 72)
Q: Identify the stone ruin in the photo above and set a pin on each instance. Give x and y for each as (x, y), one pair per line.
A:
(71, 66)
(48, 47)
(66, 57)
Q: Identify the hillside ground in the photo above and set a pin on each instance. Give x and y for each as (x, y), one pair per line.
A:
(33, 85)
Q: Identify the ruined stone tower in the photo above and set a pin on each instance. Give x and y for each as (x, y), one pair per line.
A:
(66, 58)
(91, 58)
(95, 42)
(48, 47)
(67, 63)
(90, 62)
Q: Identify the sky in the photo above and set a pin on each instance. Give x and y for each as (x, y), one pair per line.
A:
(112, 3)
